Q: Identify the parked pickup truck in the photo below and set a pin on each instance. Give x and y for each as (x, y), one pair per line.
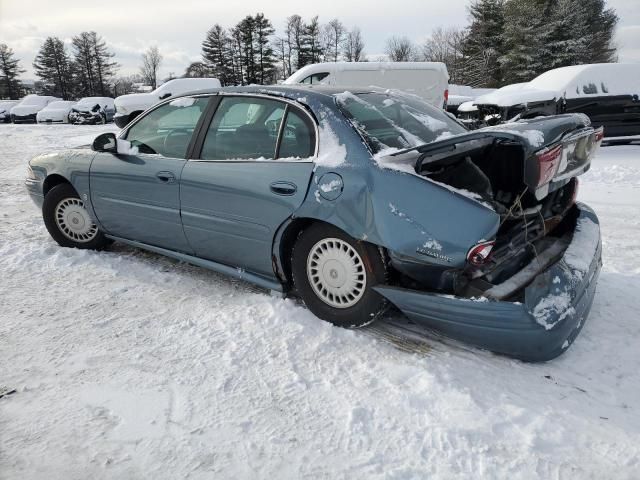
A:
(608, 93)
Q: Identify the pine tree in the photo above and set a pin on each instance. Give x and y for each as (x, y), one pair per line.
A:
(52, 65)
(10, 86)
(484, 43)
(246, 31)
(217, 54)
(524, 41)
(299, 55)
(265, 56)
(105, 68)
(312, 40)
(92, 66)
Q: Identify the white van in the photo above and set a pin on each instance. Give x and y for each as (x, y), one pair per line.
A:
(130, 106)
(428, 80)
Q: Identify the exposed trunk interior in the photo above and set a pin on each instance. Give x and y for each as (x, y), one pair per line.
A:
(494, 170)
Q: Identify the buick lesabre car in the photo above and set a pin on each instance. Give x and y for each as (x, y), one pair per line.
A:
(353, 201)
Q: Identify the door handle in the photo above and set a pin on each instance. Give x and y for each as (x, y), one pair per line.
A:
(166, 177)
(283, 188)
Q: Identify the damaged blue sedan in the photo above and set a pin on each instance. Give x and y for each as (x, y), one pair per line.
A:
(353, 201)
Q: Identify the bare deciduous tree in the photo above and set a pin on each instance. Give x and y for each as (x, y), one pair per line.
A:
(353, 46)
(151, 61)
(333, 38)
(445, 45)
(400, 49)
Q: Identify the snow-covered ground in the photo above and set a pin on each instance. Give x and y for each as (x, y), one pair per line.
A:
(131, 365)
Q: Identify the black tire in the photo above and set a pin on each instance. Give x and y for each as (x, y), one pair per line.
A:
(369, 306)
(55, 196)
(613, 143)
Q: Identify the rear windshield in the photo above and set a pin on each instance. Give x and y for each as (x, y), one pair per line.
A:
(396, 121)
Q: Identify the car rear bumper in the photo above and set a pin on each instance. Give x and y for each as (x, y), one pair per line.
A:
(31, 118)
(556, 304)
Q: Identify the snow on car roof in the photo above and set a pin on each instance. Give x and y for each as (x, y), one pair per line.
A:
(595, 79)
(371, 66)
(59, 104)
(515, 94)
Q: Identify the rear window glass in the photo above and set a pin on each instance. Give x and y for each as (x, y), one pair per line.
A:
(396, 121)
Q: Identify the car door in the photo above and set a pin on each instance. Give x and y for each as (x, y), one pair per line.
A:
(252, 170)
(137, 195)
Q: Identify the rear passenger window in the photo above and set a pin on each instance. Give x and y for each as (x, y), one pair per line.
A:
(316, 78)
(298, 137)
(244, 128)
(250, 128)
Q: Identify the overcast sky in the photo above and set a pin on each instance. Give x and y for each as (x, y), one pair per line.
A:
(178, 27)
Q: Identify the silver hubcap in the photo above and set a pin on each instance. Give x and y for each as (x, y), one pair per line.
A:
(74, 221)
(336, 273)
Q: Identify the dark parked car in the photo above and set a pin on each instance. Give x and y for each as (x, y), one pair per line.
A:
(352, 200)
(607, 93)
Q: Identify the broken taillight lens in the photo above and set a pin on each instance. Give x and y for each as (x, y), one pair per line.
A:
(548, 162)
(598, 135)
(480, 253)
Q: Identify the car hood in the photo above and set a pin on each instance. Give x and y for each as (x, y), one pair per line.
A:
(516, 97)
(135, 99)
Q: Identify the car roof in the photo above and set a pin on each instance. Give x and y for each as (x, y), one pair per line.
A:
(294, 92)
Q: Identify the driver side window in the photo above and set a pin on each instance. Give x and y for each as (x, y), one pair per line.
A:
(168, 129)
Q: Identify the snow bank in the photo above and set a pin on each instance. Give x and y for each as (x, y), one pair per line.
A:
(127, 365)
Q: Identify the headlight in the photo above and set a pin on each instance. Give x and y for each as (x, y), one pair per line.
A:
(121, 109)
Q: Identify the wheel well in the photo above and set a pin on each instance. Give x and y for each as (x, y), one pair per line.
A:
(287, 241)
(51, 181)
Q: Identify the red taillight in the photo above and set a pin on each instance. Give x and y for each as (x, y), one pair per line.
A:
(446, 96)
(598, 135)
(548, 162)
(479, 254)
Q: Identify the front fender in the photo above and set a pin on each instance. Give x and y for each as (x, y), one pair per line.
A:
(73, 165)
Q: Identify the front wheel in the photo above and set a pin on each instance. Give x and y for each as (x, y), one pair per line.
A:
(69, 222)
(335, 275)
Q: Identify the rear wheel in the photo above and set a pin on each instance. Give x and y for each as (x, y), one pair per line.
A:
(335, 275)
(69, 222)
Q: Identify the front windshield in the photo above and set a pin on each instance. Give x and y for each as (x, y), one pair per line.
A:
(34, 102)
(54, 105)
(396, 121)
(88, 101)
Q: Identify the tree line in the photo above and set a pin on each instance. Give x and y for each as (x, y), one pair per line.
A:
(512, 41)
(251, 53)
(506, 41)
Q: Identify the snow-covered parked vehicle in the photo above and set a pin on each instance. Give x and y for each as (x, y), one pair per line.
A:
(608, 93)
(5, 110)
(92, 111)
(131, 105)
(55, 112)
(353, 201)
(28, 108)
(427, 80)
